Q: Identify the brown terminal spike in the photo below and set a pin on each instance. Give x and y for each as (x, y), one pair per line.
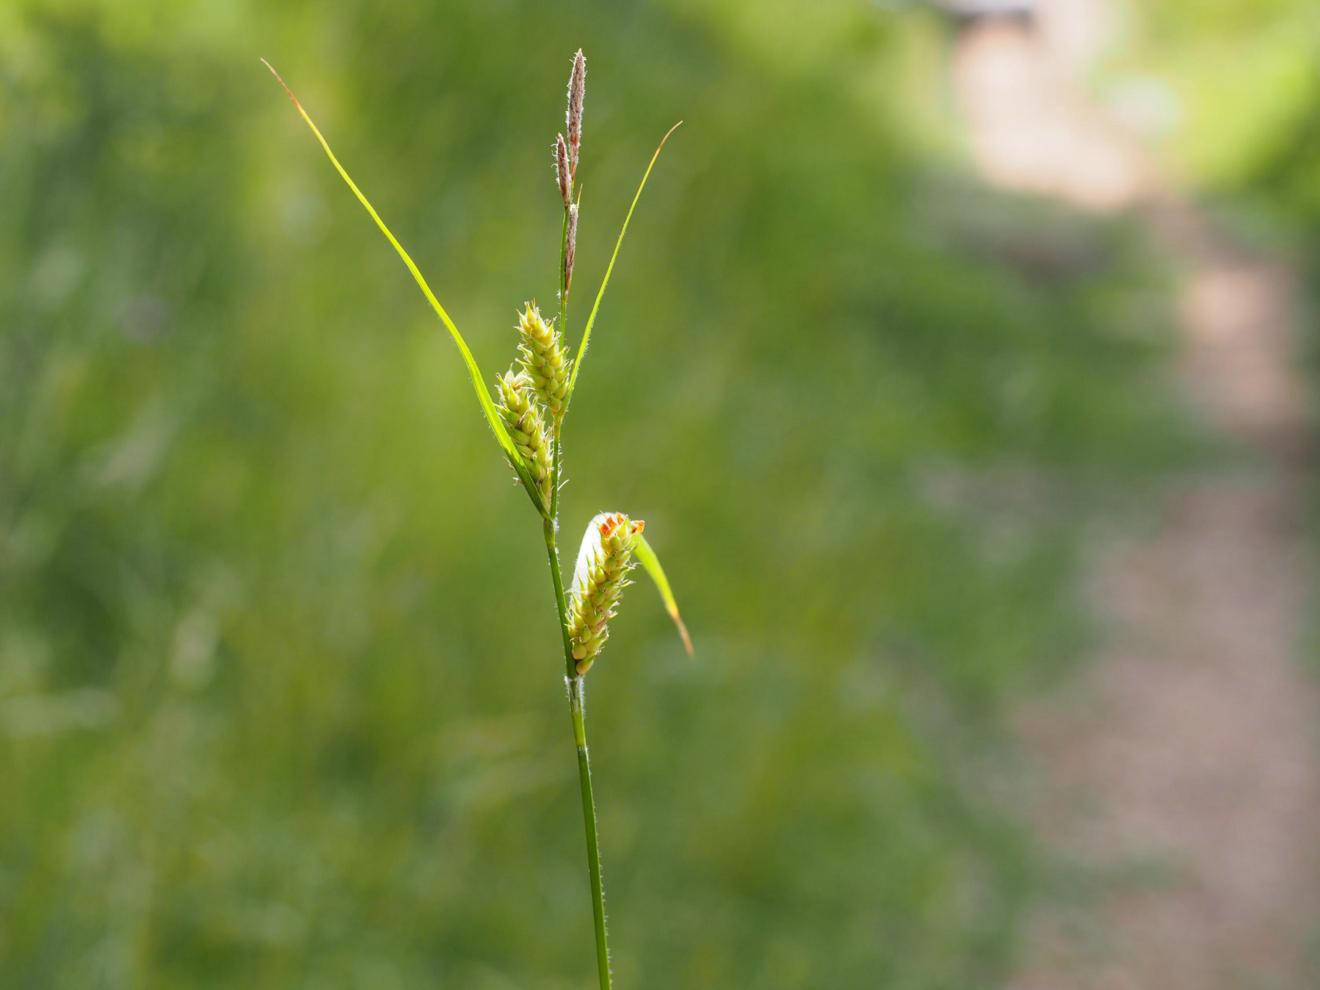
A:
(577, 91)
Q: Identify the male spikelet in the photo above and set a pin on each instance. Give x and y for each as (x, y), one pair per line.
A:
(601, 575)
(563, 174)
(577, 91)
(570, 247)
(544, 361)
(517, 404)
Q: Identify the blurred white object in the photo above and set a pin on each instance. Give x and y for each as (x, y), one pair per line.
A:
(970, 9)
(1144, 105)
(1031, 125)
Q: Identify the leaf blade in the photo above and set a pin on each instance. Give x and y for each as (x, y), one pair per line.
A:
(646, 556)
(609, 269)
(474, 370)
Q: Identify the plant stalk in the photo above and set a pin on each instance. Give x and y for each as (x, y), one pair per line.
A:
(577, 703)
(577, 709)
(576, 683)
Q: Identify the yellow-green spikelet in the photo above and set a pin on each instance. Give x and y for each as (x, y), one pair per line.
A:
(544, 359)
(601, 577)
(516, 398)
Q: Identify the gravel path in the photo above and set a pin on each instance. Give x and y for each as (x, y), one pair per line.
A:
(1184, 758)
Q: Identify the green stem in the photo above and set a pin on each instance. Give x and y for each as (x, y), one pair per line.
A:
(552, 552)
(577, 703)
(577, 709)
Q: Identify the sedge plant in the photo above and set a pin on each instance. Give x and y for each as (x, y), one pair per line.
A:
(525, 411)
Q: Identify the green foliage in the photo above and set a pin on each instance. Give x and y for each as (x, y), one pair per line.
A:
(1204, 51)
(263, 720)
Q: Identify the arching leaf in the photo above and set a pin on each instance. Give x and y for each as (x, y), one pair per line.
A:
(609, 269)
(651, 564)
(474, 371)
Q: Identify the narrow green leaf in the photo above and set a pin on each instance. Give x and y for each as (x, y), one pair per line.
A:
(609, 269)
(474, 371)
(651, 564)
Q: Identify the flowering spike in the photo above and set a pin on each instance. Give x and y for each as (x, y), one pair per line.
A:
(563, 171)
(517, 405)
(544, 361)
(577, 91)
(603, 563)
(570, 247)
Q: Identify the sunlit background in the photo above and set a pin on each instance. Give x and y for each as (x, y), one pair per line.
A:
(923, 322)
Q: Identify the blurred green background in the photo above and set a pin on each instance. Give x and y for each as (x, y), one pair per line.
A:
(280, 703)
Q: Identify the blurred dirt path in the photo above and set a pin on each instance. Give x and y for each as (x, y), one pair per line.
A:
(1186, 754)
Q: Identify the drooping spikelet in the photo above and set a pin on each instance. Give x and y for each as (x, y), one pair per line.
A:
(544, 361)
(577, 91)
(598, 580)
(522, 415)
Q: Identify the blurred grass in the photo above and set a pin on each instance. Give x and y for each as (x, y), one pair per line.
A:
(263, 717)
